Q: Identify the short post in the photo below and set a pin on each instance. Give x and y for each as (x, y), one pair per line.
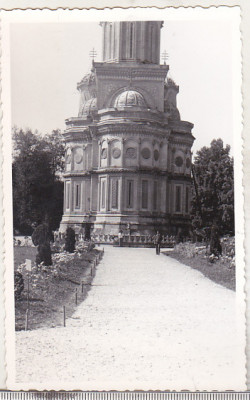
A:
(64, 316)
(27, 320)
(91, 271)
(76, 296)
(82, 286)
(28, 290)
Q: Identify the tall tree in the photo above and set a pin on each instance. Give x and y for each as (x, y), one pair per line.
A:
(37, 186)
(213, 203)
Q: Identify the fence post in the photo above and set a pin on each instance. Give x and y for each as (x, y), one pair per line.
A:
(64, 316)
(76, 296)
(27, 320)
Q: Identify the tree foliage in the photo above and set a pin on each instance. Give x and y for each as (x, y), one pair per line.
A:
(70, 240)
(41, 238)
(37, 186)
(213, 203)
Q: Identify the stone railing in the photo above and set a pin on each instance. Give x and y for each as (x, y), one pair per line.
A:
(133, 240)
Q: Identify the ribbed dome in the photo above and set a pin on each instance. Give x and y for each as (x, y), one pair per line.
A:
(89, 78)
(130, 98)
(89, 106)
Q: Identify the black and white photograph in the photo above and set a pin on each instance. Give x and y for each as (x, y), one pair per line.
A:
(123, 199)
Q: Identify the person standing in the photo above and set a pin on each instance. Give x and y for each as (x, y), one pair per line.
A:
(120, 237)
(157, 242)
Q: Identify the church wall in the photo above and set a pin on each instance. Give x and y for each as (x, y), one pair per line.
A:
(95, 154)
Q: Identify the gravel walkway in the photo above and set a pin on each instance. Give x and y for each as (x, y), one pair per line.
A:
(149, 322)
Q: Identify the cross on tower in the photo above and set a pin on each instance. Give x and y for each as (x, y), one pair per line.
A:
(93, 54)
(164, 56)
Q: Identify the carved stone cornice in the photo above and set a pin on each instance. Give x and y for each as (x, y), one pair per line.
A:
(132, 129)
(131, 72)
(180, 141)
(71, 174)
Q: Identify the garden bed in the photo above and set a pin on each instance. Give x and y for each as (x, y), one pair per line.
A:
(53, 287)
(221, 270)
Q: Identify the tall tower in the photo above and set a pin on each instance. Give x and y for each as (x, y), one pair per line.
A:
(135, 41)
(128, 154)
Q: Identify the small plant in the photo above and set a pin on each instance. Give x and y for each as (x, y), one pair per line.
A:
(70, 240)
(18, 284)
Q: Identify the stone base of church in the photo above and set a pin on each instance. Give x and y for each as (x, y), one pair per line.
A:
(111, 224)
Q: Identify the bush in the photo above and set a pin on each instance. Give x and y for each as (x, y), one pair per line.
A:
(41, 238)
(44, 254)
(18, 284)
(70, 240)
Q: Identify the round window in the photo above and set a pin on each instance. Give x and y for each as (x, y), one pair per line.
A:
(179, 161)
(188, 163)
(131, 153)
(116, 152)
(145, 153)
(156, 155)
(78, 156)
(104, 154)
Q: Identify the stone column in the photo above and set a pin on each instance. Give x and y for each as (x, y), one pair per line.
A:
(108, 153)
(139, 152)
(122, 152)
(99, 153)
(107, 193)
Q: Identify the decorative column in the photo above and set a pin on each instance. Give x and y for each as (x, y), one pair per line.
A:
(108, 153)
(139, 152)
(122, 152)
(99, 153)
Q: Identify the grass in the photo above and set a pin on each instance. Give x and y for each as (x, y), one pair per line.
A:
(218, 271)
(50, 293)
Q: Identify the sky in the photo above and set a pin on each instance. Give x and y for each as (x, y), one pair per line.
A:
(48, 59)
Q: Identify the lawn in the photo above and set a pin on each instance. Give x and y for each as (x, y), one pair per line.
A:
(21, 253)
(219, 271)
(49, 292)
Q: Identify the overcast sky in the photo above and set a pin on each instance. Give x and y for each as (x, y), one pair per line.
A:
(48, 59)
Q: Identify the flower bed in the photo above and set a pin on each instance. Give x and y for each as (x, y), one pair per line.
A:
(52, 287)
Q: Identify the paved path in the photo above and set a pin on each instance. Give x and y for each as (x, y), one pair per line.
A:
(149, 323)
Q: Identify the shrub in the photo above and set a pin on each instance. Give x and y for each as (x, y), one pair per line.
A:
(41, 238)
(70, 240)
(18, 284)
(44, 254)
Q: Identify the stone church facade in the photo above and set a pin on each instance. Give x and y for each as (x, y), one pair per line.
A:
(128, 153)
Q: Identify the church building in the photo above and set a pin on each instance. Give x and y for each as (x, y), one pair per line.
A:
(128, 153)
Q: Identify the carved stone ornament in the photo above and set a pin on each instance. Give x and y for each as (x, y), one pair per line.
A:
(131, 153)
(188, 163)
(116, 152)
(156, 155)
(146, 153)
(104, 154)
(68, 156)
(179, 161)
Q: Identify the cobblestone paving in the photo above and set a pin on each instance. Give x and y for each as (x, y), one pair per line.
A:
(149, 322)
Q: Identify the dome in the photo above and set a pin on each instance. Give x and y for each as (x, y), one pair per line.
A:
(89, 106)
(130, 98)
(88, 78)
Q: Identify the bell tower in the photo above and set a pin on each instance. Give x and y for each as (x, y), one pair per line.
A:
(131, 41)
